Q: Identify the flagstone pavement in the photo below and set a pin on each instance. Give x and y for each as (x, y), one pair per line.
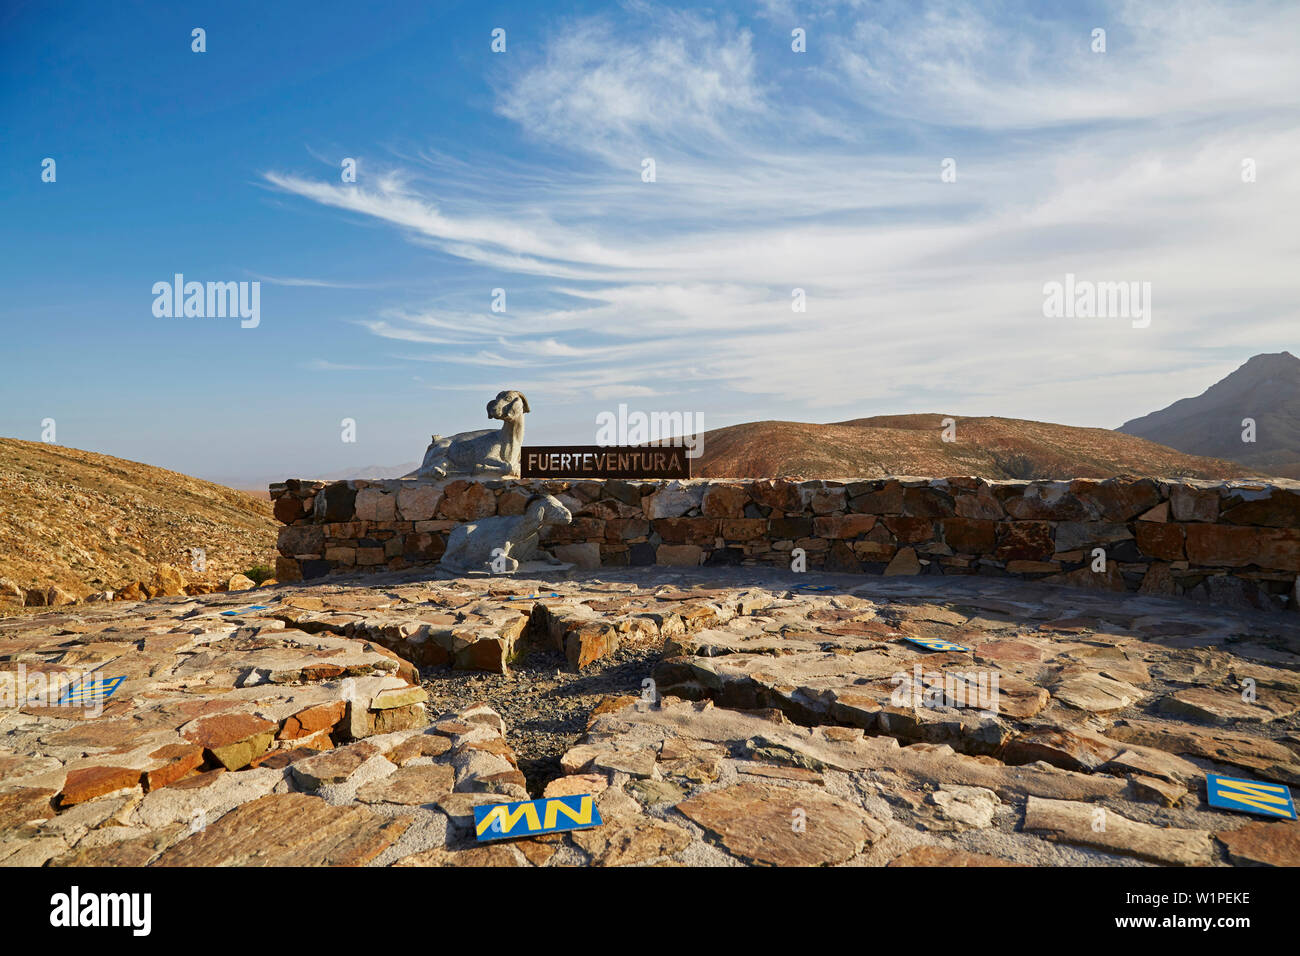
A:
(781, 719)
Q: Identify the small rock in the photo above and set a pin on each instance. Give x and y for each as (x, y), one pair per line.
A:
(288, 829)
(1155, 790)
(630, 843)
(760, 824)
(1091, 825)
(576, 785)
(333, 766)
(233, 739)
(943, 856)
(960, 808)
(1264, 844)
(651, 792)
(493, 854)
(91, 782)
(905, 562)
(409, 785)
(167, 581)
(1096, 694)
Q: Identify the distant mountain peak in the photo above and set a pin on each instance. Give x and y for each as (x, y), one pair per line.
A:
(1265, 389)
(1270, 360)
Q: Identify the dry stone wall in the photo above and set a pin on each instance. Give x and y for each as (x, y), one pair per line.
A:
(1236, 542)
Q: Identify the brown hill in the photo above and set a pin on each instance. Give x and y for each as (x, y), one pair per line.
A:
(87, 522)
(912, 445)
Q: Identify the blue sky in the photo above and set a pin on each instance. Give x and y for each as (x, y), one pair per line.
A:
(522, 170)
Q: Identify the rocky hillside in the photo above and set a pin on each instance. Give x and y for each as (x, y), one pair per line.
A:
(1266, 388)
(912, 445)
(86, 523)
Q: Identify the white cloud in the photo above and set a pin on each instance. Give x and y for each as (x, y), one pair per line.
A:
(1122, 166)
(682, 87)
(310, 283)
(324, 365)
(954, 65)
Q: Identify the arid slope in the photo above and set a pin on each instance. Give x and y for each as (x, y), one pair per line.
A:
(912, 445)
(88, 522)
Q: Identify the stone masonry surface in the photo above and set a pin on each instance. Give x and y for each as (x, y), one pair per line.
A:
(294, 735)
(1232, 542)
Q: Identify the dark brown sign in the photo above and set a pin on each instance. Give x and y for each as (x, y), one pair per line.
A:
(596, 461)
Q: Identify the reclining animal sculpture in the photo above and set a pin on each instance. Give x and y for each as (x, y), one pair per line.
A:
(472, 546)
(492, 453)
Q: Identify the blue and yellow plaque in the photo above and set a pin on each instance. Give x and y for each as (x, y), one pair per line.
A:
(935, 644)
(1250, 796)
(88, 692)
(504, 821)
(251, 607)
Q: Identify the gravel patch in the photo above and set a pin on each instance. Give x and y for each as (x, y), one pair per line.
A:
(544, 704)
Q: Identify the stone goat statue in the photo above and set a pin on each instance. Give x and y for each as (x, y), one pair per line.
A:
(489, 453)
(474, 546)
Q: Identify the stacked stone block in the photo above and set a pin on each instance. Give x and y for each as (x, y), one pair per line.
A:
(1236, 541)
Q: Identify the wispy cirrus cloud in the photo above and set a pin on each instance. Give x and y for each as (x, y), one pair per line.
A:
(312, 283)
(688, 87)
(956, 64)
(775, 173)
(324, 365)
